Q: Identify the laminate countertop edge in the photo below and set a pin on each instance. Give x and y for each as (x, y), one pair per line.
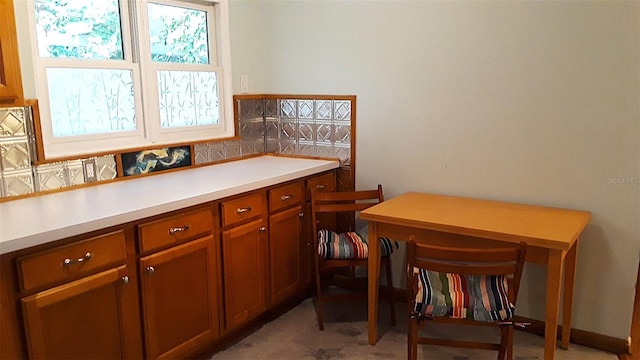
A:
(41, 219)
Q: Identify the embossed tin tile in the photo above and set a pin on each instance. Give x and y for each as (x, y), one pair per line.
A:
(15, 155)
(288, 109)
(344, 154)
(270, 108)
(106, 167)
(342, 110)
(324, 110)
(75, 172)
(306, 148)
(271, 130)
(305, 109)
(305, 130)
(1, 187)
(273, 146)
(50, 177)
(342, 134)
(232, 149)
(289, 130)
(18, 183)
(287, 147)
(216, 151)
(249, 109)
(13, 122)
(324, 132)
(201, 153)
(250, 147)
(324, 150)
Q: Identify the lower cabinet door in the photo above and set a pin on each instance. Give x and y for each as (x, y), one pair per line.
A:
(179, 299)
(83, 319)
(245, 272)
(285, 253)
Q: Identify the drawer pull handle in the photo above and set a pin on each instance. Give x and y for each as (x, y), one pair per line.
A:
(262, 229)
(150, 269)
(243, 210)
(286, 197)
(320, 186)
(85, 258)
(301, 214)
(178, 229)
(125, 279)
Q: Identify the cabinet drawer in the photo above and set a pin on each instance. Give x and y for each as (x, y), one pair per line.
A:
(244, 208)
(286, 196)
(326, 182)
(175, 229)
(70, 261)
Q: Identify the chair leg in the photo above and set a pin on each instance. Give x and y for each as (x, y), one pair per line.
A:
(412, 341)
(392, 303)
(510, 343)
(506, 343)
(319, 301)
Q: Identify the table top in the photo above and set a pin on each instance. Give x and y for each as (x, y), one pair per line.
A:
(547, 227)
(40, 219)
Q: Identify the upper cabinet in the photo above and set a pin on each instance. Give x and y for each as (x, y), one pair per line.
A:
(10, 79)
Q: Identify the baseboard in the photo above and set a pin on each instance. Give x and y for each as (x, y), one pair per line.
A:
(581, 337)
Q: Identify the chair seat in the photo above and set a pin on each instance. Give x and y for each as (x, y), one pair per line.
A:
(349, 245)
(477, 297)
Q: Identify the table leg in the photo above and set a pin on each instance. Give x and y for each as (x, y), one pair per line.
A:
(567, 288)
(554, 276)
(374, 279)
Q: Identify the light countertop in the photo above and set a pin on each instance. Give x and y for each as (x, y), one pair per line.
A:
(41, 219)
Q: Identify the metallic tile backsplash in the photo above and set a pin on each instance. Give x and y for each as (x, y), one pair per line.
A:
(17, 152)
(285, 126)
(296, 126)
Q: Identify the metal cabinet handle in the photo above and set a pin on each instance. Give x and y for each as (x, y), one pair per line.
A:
(243, 210)
(262, 229)
(85, 258)
(286, 197)
(125, 279)
(150, 269)
(178, 229)
(301, 214)
(320, 186)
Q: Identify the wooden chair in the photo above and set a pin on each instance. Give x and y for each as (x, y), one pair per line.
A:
(462, 286)
(344, 256)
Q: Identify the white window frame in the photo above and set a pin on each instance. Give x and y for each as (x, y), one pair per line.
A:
(148, 131)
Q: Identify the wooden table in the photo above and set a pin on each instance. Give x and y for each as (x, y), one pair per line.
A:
(551, 234)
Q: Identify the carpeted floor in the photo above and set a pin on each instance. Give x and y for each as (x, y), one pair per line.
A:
(295, 335)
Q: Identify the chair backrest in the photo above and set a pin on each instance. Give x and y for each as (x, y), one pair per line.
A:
(342, 201)
(507, 261)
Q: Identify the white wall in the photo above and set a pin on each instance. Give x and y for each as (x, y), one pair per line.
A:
(533, 102)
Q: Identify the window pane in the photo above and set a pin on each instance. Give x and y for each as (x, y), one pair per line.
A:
(178, 35)
(188, 98)
(81, 29)
(91, 101)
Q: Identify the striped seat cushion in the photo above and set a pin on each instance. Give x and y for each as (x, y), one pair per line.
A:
(349, 245)
(478, 297)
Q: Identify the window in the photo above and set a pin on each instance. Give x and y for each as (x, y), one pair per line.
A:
(115, 74)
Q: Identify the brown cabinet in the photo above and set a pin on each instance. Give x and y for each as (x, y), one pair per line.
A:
(244, 259)
(285, 236)
(324, 182)
(92, 317)
(179, 286)
(10, 78)
(164, 287)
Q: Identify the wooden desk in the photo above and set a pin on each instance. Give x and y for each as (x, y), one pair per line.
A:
(551, 234)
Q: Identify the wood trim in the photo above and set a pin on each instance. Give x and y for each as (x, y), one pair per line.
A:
(581, 337)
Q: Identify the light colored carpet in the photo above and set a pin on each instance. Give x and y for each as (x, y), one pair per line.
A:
(295, 335)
